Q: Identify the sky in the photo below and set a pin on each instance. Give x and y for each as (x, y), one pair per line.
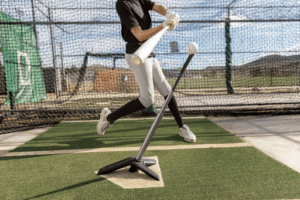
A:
(250, 41)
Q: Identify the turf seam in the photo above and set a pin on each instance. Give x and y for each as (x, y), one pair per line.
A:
(120, 149)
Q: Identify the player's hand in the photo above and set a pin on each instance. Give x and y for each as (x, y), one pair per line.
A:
(172, 15)
(175, 17)
(170, 22)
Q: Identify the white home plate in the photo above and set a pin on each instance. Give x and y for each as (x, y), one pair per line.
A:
(139, 179)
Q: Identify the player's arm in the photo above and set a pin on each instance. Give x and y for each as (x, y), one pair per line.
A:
(142, 35)
(171, 16)
(160, 9)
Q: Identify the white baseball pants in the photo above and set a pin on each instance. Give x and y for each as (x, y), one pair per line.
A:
(148, 75)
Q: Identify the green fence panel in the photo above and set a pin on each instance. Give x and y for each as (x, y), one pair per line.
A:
(24, 76)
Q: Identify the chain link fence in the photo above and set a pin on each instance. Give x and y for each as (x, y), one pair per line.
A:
(65, 60)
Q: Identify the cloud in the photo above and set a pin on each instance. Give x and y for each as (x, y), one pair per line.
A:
(232, 17)
(209, 36)
(292, 50)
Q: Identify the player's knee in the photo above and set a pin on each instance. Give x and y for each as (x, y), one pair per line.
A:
(166, 91)
(147, 102)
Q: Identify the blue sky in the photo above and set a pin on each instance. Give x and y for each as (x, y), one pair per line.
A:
(261, 39)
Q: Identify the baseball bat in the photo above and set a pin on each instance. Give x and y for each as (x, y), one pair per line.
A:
(144, 51)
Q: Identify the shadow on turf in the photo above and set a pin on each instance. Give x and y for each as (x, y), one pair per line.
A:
(68, 188)
(20, 157)
(117, 137)
(90, 143)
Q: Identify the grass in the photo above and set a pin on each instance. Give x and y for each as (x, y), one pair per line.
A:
(67, 136)
(224, 173)
(232, 173)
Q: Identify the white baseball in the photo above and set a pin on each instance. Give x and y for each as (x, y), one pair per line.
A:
(192, 48)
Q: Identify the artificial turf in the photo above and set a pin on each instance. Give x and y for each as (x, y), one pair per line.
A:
(66, 136)
(228, 173)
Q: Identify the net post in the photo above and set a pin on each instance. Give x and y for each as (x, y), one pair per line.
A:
(11, 99)
(228, 55)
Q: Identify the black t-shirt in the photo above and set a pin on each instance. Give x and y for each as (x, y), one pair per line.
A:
(134, 13)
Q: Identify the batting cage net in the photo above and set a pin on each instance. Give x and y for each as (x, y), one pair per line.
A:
(65, 59)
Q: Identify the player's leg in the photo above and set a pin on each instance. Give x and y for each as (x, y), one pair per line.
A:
(107, 117)
(144, 79)
(164, 88)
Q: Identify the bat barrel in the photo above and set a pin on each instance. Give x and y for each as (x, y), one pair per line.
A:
(145, 50)
(137, 60)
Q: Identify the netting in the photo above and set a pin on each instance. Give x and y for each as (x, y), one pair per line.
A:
(62, 60)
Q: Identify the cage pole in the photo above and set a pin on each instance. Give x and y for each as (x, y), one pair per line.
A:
(34, 29)
(114, 67)
(298, 74)
(53, 54)
(33, 19)
(228, 55)
(62, 66)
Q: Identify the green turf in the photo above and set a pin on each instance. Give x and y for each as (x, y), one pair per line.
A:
(228, 173)
(125, 134)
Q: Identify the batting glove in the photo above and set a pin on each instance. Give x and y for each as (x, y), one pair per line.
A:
(170, 22)
(173, 16)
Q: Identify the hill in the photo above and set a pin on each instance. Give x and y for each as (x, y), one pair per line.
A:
(273, 61)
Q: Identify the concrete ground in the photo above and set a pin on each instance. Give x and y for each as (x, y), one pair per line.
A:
(11, 141)
(276, 136)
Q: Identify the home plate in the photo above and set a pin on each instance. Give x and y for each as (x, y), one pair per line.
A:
(139, 179)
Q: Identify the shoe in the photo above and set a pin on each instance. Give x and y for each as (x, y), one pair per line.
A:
(188, 135)
(103, 124)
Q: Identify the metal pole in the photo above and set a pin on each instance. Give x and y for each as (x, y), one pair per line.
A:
(228, 13)
(228, 53)
(271, 76)
(62, 66)
(228, 57)
(114, 63)
(11, 98)
(298, 75)
(34, 25)
(35, 31)
(21, 27)
(53, 53)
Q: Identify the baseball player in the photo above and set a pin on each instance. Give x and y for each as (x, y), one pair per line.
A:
(136, 29)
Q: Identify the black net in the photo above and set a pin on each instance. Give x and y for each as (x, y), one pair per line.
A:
(65, 59)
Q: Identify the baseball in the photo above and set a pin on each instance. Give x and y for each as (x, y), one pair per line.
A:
(192, 48)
